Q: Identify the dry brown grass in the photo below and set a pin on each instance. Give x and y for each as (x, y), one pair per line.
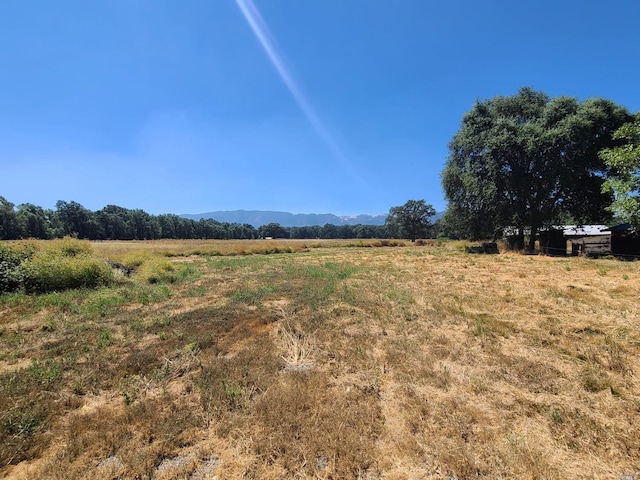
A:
(421, 362)
(117, 250)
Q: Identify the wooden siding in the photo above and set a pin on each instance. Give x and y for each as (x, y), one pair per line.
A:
(593, 245)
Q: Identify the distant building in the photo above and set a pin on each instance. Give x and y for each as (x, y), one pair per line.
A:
(593, 240)
(625, 242)
(576, 239)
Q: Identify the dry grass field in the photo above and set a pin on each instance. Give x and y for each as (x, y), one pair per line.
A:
(326, 360)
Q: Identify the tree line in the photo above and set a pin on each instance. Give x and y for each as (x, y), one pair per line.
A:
(118, 223)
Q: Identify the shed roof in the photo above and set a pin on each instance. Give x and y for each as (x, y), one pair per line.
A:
(567, 230)
(583, 230)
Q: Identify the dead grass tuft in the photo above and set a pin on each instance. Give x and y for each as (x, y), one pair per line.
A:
(297, 347)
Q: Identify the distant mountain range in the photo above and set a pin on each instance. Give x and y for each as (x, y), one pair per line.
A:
(258, 218)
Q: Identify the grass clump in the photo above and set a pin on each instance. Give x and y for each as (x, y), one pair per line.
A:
(18, 428)
(252, 296)
(158, 269)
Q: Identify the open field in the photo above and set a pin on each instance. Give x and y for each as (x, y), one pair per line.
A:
(326, 360)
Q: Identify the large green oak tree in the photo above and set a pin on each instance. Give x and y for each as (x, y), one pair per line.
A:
(411, 220)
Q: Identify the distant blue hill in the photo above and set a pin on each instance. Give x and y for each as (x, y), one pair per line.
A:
(258, 218)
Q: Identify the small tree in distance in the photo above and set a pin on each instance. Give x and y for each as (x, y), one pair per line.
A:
(411, 220)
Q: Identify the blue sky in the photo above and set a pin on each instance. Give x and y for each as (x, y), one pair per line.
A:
(306, 106)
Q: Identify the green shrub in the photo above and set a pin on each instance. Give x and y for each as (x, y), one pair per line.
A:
(152, 268)
(9, 263)
(157, 270)
(49, 273)
(11, 257)
(52, 266)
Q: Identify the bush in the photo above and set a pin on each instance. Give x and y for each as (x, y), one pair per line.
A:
(157, 270)
(48, 273)
(11, 257)
(9, 262)
(52, 266)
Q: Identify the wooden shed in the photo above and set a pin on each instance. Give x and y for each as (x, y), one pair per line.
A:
(593, 245)
(575, 239)
(625, 242)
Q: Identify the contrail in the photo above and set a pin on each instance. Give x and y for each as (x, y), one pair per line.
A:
(268, 43)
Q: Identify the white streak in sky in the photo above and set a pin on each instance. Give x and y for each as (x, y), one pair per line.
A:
(268, 43)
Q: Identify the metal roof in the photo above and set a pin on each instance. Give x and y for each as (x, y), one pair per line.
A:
(567, 230)
(583, 230)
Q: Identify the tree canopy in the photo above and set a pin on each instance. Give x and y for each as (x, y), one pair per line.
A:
(529, 161)
(411, 220)
(624, 181)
